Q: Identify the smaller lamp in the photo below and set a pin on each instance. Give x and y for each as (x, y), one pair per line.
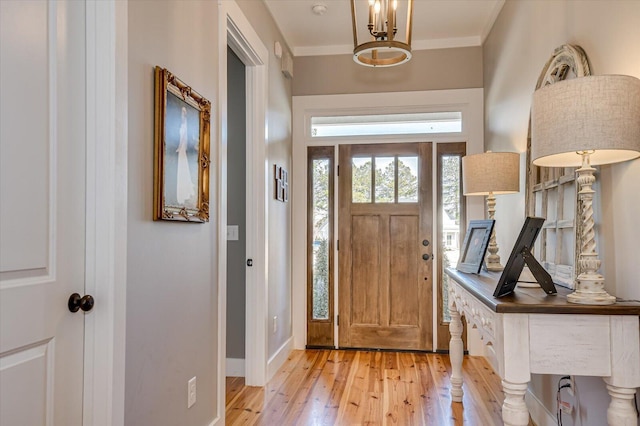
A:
(583, 122)
(490, 174)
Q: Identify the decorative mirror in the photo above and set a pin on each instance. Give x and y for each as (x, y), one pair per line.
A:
(552, 192)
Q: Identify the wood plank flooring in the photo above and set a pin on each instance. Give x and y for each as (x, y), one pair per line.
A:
(337, 387)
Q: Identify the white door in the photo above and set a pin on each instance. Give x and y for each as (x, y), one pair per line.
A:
(42, 211)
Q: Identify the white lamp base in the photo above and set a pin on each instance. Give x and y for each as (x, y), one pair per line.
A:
(493, 266)
(589, 284)
(526, 279)
(590, 291)
(492, 260)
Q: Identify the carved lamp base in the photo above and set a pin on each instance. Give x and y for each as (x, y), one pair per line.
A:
(492, 260)
(526, 279)
(589, 284)
(590, 291)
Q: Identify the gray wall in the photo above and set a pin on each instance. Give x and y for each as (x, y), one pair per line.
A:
(458, 68)
(521, 41)
(236, 204)
(171, 277)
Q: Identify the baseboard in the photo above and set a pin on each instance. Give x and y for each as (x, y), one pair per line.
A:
(539, 414)
(276, 361)
(235, 367)
(216, 421)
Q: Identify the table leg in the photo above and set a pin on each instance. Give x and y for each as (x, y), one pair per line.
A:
(621, 410)
(456, 352)
(514, 409)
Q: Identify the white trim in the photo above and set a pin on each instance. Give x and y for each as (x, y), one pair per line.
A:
(539, 414)
(279, 358)
(469, 101)
(106, 222)
(347, 49)
(235, 367)
(234, 30)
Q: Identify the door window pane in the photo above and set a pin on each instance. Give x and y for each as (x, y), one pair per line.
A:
(385, 179)
(408, 179)
(361, 180)
(320, 248)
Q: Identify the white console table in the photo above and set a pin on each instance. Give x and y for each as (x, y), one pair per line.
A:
(535, 333)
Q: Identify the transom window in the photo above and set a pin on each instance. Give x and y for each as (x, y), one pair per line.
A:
(386, 124)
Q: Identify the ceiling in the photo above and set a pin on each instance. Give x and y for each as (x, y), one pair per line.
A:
(436, 24)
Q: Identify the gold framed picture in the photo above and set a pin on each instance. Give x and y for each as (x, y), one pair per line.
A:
(182, 146)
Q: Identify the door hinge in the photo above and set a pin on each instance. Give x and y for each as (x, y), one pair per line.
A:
(338, 320)
(338, 245)
(338, 170)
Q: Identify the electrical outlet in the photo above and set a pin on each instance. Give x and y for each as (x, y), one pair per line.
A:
(191, 392)
(275, 324)
(572, 387)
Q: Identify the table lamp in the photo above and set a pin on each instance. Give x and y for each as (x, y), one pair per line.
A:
(491, 174)
(585, 122)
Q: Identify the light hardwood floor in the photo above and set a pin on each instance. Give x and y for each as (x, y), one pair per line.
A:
(337, 387)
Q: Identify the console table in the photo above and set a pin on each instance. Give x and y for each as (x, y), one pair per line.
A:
(535, 333)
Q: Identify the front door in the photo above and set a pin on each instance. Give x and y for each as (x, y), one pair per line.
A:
(385, 246)
(42, 211)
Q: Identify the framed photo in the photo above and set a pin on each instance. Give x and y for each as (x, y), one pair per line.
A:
(182, 127)
(475, 245)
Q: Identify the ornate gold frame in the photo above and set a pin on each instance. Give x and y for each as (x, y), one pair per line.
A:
(167, 158)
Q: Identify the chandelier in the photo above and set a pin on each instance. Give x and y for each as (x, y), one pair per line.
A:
(383, 50)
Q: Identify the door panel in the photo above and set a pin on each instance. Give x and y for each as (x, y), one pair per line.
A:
(384, 215)
(42, 210)
(403, 277)
(451, 219)
(365, 287)
(320, 244)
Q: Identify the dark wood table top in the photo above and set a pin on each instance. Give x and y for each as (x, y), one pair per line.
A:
(532, 300)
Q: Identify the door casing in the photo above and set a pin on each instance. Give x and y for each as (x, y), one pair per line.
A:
(235, 31)
(469, 101)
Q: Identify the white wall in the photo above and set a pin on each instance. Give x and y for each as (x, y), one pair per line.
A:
(172, 327)
(521, 41)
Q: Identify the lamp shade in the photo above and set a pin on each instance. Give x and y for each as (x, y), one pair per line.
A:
(496, 172)
(596, 113)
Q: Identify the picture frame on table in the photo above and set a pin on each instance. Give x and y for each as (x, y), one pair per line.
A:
(182, 151)
(474, 246)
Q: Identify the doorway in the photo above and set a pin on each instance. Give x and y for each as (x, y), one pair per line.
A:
(236, 215)
(236, 33)
(385, 246)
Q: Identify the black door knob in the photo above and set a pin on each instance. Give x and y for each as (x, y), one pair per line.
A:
(76, 302)
(426, 256)
(425, 242)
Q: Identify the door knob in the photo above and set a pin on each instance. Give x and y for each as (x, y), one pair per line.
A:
(76, 302)
(425, 242)
(426, 256)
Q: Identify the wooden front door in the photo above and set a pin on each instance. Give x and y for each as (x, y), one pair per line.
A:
(385, 246)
